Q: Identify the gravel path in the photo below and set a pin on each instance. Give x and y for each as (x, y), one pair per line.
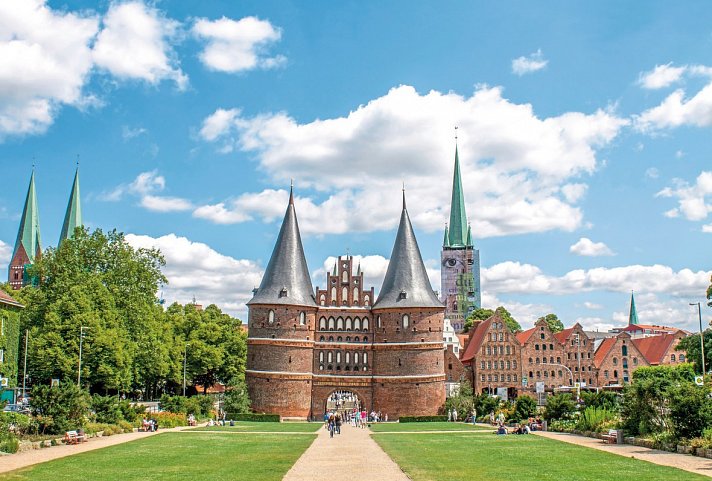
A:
(36, 456)
(350, 456)
(693, 464)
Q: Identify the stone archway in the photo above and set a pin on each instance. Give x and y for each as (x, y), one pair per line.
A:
(344, 401)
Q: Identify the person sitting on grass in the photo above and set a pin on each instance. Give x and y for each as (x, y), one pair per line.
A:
(501, 430)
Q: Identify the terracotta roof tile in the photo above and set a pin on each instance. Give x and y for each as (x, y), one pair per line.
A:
(524, 336)
(653, 348)
(563, 336)
(476, 339)
(7, 299)
(603, 350)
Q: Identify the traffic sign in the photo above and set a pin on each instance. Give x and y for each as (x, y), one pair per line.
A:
(699, 380)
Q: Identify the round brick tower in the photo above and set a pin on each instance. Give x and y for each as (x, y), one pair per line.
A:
(408, 370)
(282, 316)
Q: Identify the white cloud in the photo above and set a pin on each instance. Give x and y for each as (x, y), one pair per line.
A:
(146, 186)
(586, 247)
(195, 269)
(707, 228)
(134, 43)
(128, 133)
(694, 201)
(661, 76)
(652, 173)
(515, 277)
(661, 312)
(532, 63)
(517, 170)
(5, 253)
(596, 323)
(236, 46)
(46, 60)
(592, 305)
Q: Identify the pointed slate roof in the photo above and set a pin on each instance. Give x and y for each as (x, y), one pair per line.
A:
(633, 316)
(406, 283)
(286, 280)
(73, 217)
(28, 236)
(446, 239)
(458, 217)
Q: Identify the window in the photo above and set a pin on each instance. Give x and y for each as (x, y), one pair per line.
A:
(537, 360)
(366, 300)
(615, 362)
(489, 377)
(509, 365)
(558, 360)
(348, 338)
(333, 294)
(270, 317)
(356, 339)
(365, 358)
(543, 347)
(508, 350)
(561, 373)
(345, 295)
(378, 322)
(482, 364)
(338, 357)
(531, 374)
(331, 323)
(364, 325)
(349, 325)
(357, 324)
(322, 299)
(406, 321)
(605, 374)
(542, 337)
(514, 365)
(501, 364)
(496, 378)
(365, 338)
(489, 364)
(681, 359)
(339, 324)
(514, 378)
(615, 374)
(489, 350)
(536, 347)
(321, 338)
(543, 360)
(322, 324)
(302, 318)
(482, 377)
(501, 336)
(355, 295)
(625, 350)
(625, 363)
(338, 339)
(345, 276)
(355, 357)
(329, 357)
(672, 356)
(513, 349)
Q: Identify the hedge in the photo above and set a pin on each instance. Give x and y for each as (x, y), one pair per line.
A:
(422, 419)
(263, 418)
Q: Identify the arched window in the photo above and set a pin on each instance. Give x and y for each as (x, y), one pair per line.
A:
(356, 339)
(322, 324)
(345, 295)
(338, 357)
(531, 361)
(270, 317)
(625, 350)
(349, 325)
(365, 358)
(536, 347)
(501, 336)
(558, 360)
(364, 324)
(406, 321)
(514, 365)
(348, 357)
(339, 324)
(365, 338)
(333, 294)
(321, 357)
(329, 357)
(321, 338)
(331, 338)
(681, 359)
(615, 373)
(338, 339)
(357, 324)
(345, 276)
(509, 365)
(348, 338)
(355, 357)
(366, 300)
(537, 360)
(302, 318)
(615, 362)
(331, 323)
(561, 373)
(355, 295)
(322, 300)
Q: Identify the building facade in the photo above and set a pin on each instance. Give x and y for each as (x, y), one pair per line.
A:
(303, 346)
(459, 260)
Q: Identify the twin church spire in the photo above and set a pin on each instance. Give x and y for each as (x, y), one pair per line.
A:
(457, 233)
(28, 245)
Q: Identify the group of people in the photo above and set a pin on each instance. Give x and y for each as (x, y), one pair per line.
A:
(149, 425)
(532, 424)
(339, 399)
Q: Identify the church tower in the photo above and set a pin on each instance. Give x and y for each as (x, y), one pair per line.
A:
(27, 245)
(281, 320)
(73, 216)
(460, 261)
(408, 371)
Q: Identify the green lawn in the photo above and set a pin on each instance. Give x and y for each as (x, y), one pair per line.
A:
(178, 456)
(405, 427)
(249, 426)
(462, 456)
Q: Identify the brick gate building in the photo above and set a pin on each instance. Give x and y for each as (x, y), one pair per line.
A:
(303, 346)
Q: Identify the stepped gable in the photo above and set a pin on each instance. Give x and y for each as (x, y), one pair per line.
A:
(406, 284)
(286, 280)
(523, 337)
(73, 216)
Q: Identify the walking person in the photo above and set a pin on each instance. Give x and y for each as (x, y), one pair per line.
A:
(337, 422)
(474, 416)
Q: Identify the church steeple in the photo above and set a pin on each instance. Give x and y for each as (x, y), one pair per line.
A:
(446, 238)
(286, 279)
(458, 216)
(73, 216)
(28, 244)
(633, 315)
(406, 283)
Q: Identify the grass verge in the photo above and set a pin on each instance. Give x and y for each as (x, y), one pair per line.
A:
(437, 426)
(252, 426)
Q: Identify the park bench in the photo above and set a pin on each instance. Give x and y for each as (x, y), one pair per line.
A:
(611, 437)
(74, 437)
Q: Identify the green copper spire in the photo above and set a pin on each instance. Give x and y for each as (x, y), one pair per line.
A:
(29, 234)
(458, 217)
(633, 316)
(446, 239)
(469, 235)
(73, 217)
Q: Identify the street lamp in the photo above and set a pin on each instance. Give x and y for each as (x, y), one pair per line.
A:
(702, 336)
(81, 340)
(24, 369)
(185, 356)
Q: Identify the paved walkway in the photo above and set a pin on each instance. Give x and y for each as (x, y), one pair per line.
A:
(693, 464)
(36, 456)
(350, 456)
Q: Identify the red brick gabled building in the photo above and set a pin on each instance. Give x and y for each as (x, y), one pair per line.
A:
(662, 349)
(543, 357)
(616, 358)
(580, 352)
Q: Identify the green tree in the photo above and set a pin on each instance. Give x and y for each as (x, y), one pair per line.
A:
(463, 401)
(601, 399)
(709, 293)
(691, 346)
(59, 409)
(486, 404)
(559, 406)
(237, 399)
(512, 323)
(479, 314)
(690, 410)
(524, 408)
(553, 321)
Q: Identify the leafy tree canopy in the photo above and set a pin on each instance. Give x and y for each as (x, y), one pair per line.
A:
(512, 323)
(484, 314)
(553, 321)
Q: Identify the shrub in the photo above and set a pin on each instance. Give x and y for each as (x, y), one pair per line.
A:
(59, 409)
(236, 398)
(524, 408)
(199, 405)
(174, 404)
(690, 410)
(170, 420)
(16, 423)
(9, 443)
(559, 406)
(422, 419)
(106, 409)
(485, 404)
(266, 418)
(601, 399)
(596, 419)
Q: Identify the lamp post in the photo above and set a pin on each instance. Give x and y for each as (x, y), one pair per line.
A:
(81, 340)
(185, 356)
(24, 369)
(702, 336)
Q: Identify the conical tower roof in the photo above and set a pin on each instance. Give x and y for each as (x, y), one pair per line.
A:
(633, 315)
(446, 238)
(28, 236)
(406, 284)
(73, 217)
(458, 216)
(287, 280)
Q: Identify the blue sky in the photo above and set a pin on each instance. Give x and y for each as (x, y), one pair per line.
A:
(584, 134)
